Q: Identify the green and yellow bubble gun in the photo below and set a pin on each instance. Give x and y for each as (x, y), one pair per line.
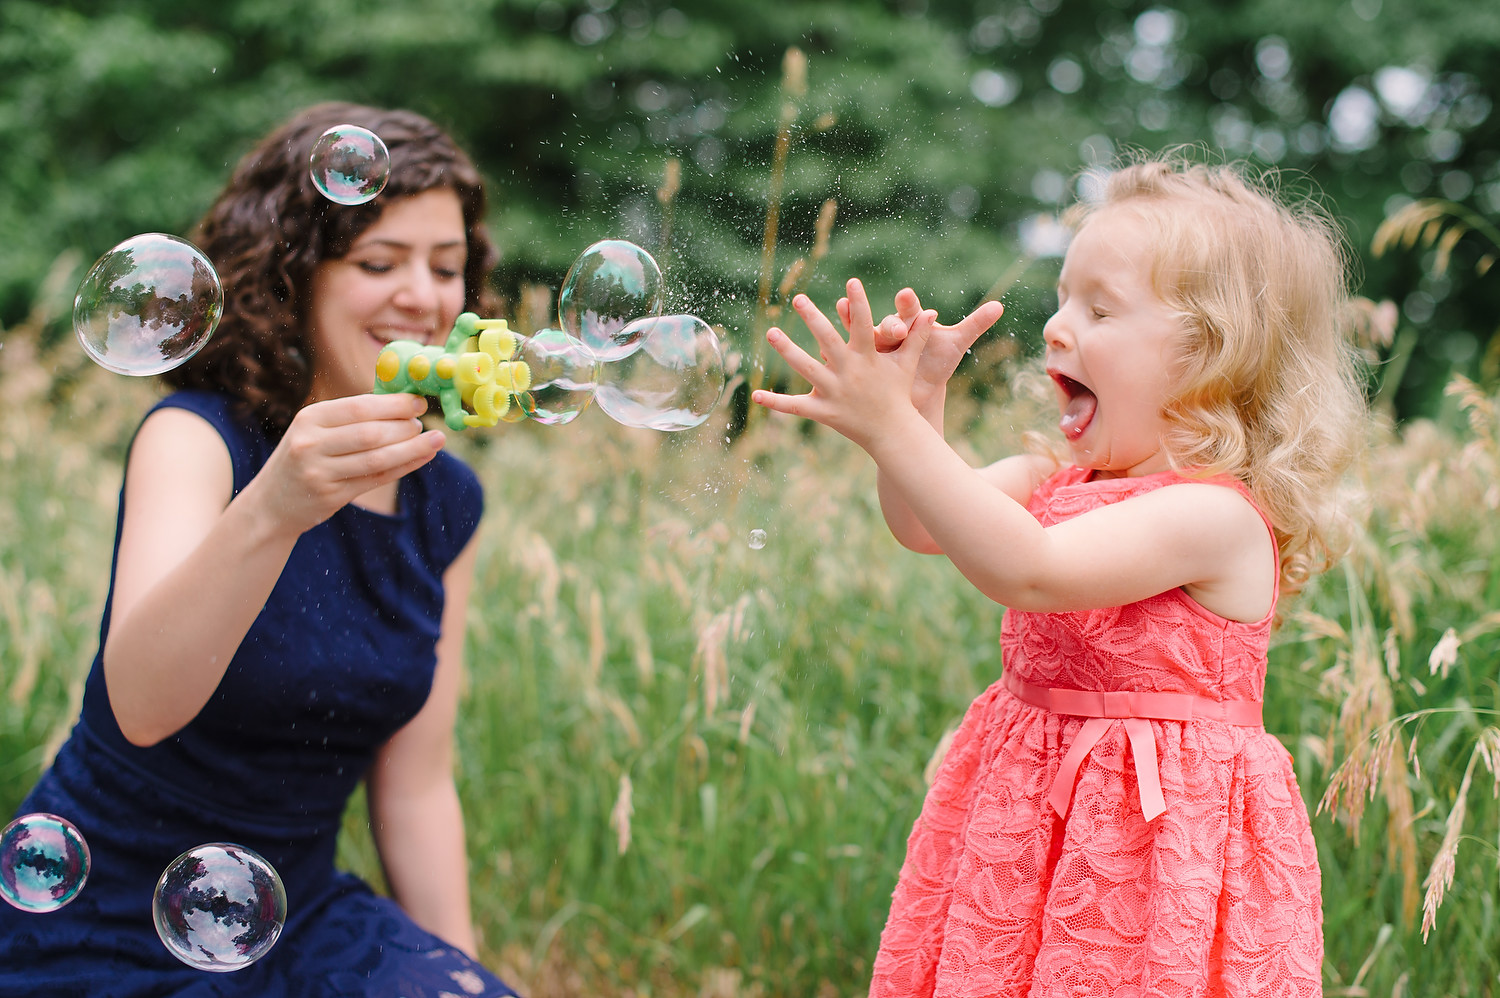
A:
(475, 375)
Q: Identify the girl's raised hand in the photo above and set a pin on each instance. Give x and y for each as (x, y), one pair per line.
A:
(858, 387)
(946, 345)
(337, 450)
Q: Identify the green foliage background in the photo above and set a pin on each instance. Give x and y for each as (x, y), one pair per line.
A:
(938, 125)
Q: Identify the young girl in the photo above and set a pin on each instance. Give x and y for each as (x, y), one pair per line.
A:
(286, 611)
(1112, 818)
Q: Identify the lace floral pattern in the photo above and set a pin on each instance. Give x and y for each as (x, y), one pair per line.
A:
(998, 896)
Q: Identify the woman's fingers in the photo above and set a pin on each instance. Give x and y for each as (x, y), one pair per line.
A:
(369, 435)
(362, 408)
(358, 473)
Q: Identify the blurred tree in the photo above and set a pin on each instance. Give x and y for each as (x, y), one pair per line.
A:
(939, 126)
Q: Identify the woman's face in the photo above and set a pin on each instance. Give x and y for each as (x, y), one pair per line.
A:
(402, 279)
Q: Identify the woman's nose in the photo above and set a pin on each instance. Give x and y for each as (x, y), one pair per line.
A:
(418, 291)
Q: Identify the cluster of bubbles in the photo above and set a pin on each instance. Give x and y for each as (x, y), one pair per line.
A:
(659, 372)
(154, 300)
(217, 907)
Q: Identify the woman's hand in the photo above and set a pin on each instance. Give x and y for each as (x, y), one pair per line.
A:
(337, 450)
(183, 525)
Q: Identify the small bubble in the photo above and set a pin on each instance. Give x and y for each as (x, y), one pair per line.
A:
(219, 907)
(349, 164)
(44, 862)
(563, 374)
(757, 539)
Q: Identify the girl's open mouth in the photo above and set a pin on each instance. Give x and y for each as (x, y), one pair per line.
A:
(1080, 407)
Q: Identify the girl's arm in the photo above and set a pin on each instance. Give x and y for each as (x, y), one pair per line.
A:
(944, 347)
(415, 812)
(195, 567)
(1203, 537)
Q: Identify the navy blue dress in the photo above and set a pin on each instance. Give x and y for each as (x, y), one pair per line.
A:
(341, 657)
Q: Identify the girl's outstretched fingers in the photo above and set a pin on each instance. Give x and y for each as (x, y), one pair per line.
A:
(861, 321)
(830, 343)
(796, 358)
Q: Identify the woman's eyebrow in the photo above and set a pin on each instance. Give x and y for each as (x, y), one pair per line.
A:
(401, 244)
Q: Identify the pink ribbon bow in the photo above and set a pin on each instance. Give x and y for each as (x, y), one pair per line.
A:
(1136, 710)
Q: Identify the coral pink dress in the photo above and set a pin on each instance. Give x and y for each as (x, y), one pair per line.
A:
(1143, 837)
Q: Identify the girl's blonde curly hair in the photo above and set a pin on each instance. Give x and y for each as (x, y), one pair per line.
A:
(1268, 387)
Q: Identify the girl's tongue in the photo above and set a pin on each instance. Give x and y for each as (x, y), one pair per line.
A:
(1079, 411)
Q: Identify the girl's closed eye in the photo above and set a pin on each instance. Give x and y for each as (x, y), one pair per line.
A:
(375, 266)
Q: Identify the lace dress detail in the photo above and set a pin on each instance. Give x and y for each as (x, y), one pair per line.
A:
(1218, 895)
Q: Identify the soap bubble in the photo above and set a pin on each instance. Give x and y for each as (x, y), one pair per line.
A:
(611, 285)
(147, 305)
(219, 907)
(671, 381)
(44, 862)
(349, 164)
(563, 374)
(757, 539)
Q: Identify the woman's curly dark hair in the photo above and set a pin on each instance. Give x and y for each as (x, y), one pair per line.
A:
(270, 228)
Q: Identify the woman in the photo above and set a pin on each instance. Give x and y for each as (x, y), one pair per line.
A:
(285, 618)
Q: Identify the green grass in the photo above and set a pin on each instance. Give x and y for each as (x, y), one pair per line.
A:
(773, 710)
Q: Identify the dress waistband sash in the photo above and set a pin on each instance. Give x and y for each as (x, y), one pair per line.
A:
(1136, 709)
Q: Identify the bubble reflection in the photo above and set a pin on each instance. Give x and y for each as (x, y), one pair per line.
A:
(219, 907)
(349, 164)
(147, 305)
(44, 862)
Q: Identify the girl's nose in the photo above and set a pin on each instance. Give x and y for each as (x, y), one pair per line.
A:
(1054, 333)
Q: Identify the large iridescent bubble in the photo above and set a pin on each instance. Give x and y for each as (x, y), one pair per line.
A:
(148, 305)
(349, 164)
(44, 862)
(611, 285)
(219, 907)
(671, 381)
(563, 374)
